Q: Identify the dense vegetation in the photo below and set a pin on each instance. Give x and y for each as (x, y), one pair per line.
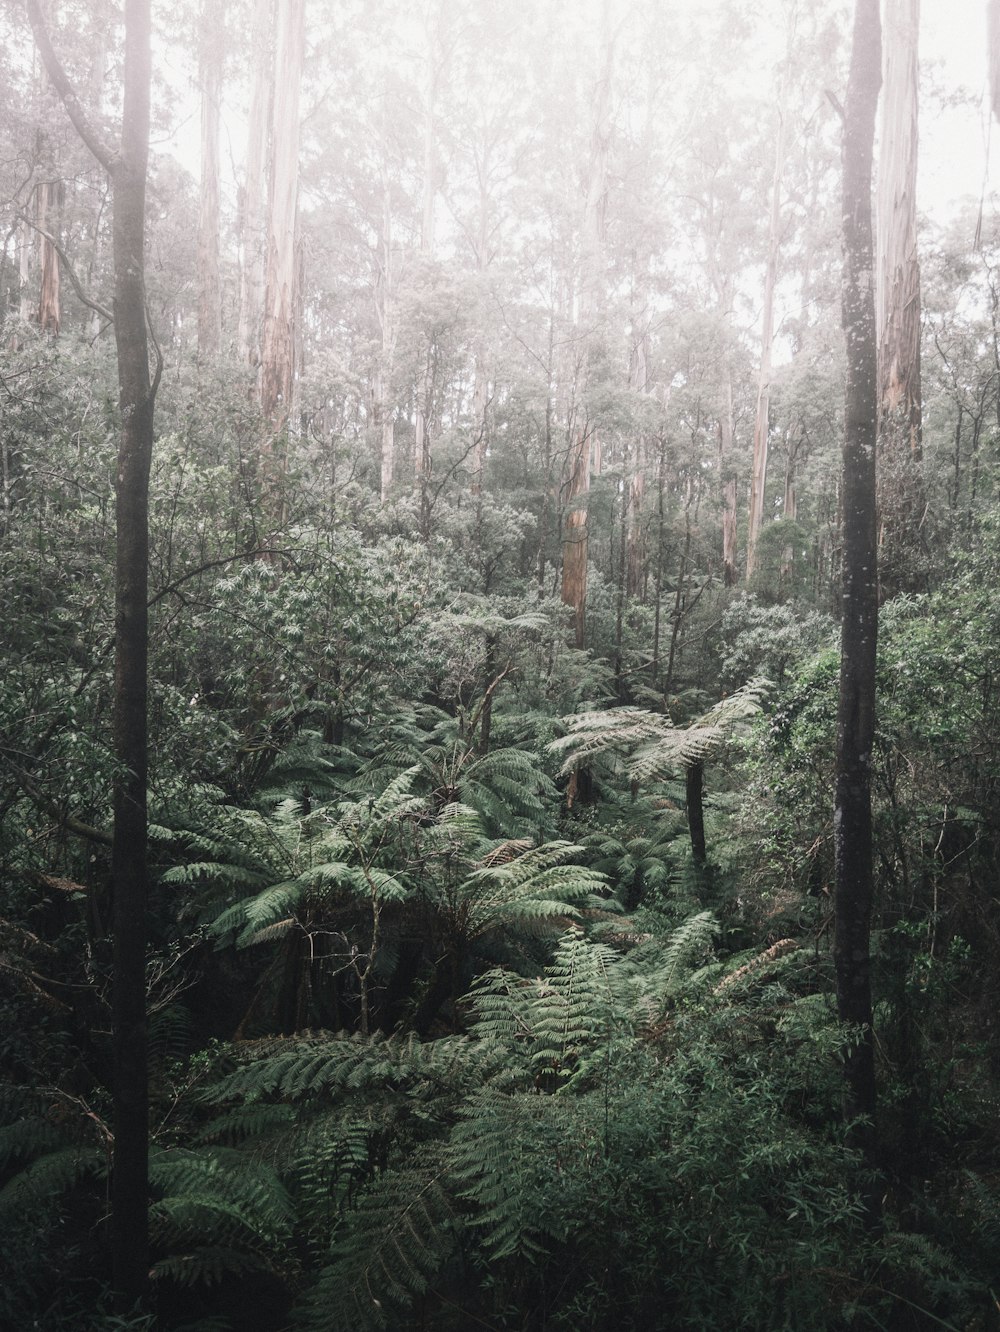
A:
(490, 980)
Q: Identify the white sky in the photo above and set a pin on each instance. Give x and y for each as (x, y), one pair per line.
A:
(953, 142)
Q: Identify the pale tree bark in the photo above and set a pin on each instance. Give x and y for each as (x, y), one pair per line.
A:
(856, 710)
(897, 275)
(433, 70)
(897, 305)
(385, 302)
(577, 489)
(48, 207)
(129, 875)
(41, 231)
(993, 47)
(101, 38)
(758, 475)
(481, 381)
(278, 356)
(480, 420)
(635, 558)
(721, 277)
(25, 249)
(253, 248)
(727, 472)
(790, 504)
(210, 78)
(49, 192)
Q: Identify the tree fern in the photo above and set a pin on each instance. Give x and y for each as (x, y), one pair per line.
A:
(648, 742)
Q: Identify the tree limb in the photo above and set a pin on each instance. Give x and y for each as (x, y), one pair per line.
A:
(67, 263)
(47, 806)
(74, 109)
(210, 564)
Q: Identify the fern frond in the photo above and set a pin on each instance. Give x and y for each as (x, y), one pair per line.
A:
(592, 734)
(47, 1177)
(29, 1137)
(217, 1194)
(387, 1251)
(206, 1265)
(307, 1065)
(686, 949)
(650, 743)
(248, 1119)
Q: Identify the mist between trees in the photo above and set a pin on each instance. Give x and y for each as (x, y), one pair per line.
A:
(499, 538)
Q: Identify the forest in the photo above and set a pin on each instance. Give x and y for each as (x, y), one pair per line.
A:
(499, 719)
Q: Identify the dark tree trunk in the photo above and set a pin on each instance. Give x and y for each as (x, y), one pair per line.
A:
(127, 169)
(128, 857)
(856, 713)
(694, 781)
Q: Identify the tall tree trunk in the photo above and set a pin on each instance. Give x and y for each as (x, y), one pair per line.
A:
(481, 383)
(209, 281)
(758, 476)
(129, 874)
(102, 23)
(897, 276)
(48, 206)
(129, 877)
(635, 482)
(727, 472)
(423, 398)
(127, 168)
(25, 248)
(790, 509)
(897, 298)
(278, 357)
(575, 536)
(856, 711)
(385, 305)
(252, 238)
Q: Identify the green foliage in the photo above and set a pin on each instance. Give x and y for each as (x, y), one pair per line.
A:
(592, 1123)
(768, 641)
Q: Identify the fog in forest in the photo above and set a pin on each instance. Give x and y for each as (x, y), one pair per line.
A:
(500, 547)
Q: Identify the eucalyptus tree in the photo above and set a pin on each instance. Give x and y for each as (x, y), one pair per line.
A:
(762, 423)
(210, 77)
(281, 282)
(252, 217)
(898, 309)
(856, 710)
